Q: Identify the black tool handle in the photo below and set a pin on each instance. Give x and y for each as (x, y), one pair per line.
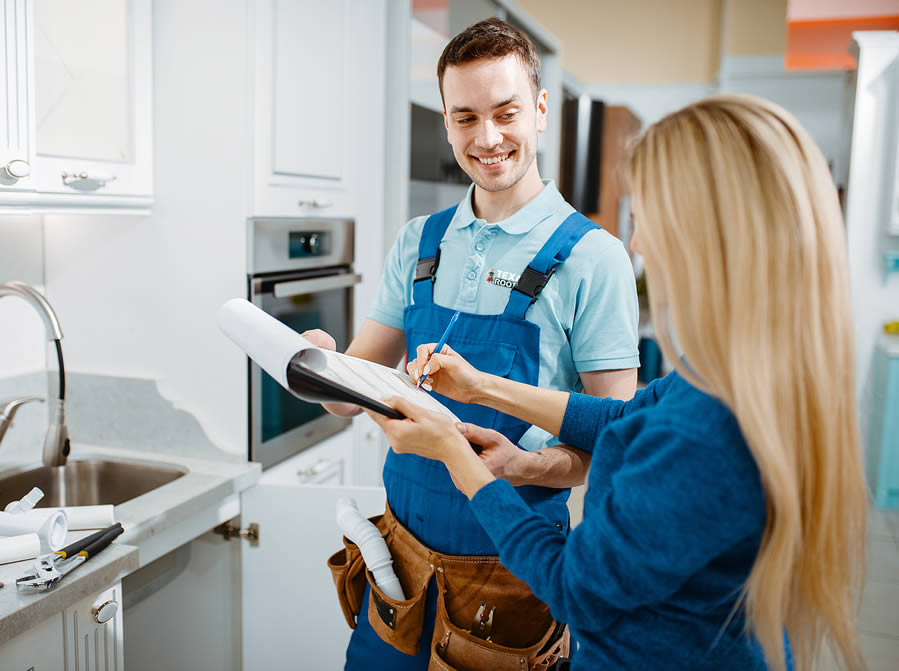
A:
(111, 533)
(79, 545)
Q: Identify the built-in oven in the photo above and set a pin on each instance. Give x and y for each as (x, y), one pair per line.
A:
(301, 273)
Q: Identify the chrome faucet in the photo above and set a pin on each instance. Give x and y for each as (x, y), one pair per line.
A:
(56, 442)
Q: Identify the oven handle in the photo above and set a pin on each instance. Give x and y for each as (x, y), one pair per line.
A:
(297, 287)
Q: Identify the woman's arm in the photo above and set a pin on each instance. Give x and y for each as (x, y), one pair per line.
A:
(642, 537)
(450, 374)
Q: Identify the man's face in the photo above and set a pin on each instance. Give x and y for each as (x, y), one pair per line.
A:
(492, 119)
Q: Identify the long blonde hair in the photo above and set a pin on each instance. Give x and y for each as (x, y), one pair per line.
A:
(741, 228)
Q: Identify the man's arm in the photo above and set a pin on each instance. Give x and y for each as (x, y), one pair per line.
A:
(564, 465)
(375, 342)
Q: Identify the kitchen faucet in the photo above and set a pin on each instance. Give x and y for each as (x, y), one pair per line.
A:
(56, 442)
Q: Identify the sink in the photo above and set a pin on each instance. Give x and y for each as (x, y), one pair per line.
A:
(87, 482)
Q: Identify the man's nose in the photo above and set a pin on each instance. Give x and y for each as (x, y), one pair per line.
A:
(489, 135)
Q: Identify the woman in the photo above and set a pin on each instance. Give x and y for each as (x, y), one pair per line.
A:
(726, 505)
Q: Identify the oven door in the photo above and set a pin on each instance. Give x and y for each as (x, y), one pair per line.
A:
(281, 424)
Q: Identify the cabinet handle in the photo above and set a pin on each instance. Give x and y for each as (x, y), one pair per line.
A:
(15, 170)
(315, 203)
(105, 611)
(82, 181)
(321, 470)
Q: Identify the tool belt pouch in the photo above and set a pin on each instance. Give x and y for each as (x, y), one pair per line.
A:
(348, 571)
(399, 623)
(489, 619)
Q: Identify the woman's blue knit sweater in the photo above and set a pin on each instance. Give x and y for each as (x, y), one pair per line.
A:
(673, 519)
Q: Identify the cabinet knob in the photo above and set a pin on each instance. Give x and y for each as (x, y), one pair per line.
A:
(105, 611)
(14, 171)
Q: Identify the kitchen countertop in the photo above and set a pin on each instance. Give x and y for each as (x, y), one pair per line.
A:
(207, 484)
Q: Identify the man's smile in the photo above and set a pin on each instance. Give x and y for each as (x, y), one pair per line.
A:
(493, 160)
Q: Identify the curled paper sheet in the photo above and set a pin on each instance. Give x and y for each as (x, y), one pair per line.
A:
(19, 548)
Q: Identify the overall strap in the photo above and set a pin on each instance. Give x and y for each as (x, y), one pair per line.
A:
(429, 255)
(538, 272)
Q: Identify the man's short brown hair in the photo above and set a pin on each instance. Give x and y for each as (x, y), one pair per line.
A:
(489, 39)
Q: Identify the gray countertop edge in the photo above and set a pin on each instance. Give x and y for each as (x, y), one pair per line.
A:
(207, 483)
(21, 610)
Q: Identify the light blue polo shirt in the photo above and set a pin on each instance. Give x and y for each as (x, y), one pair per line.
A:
(587, 312)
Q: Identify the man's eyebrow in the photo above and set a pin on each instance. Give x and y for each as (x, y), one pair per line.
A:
(468, 110)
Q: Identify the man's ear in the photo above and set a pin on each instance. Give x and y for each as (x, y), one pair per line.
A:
(542, 110)
(446, 125)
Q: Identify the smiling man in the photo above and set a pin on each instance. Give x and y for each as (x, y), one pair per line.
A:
(546, 297)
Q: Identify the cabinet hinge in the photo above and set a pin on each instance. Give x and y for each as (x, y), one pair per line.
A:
(228, 531)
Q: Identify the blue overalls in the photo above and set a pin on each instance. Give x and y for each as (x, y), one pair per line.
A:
(420, 491)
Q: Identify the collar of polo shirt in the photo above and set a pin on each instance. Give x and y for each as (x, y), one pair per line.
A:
(542, 206)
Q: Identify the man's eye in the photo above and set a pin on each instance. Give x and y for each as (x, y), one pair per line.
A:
(509, 115)
(464, 120)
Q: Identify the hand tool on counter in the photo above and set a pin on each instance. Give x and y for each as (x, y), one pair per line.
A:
(52, 567)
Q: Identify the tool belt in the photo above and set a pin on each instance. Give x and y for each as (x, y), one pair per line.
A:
(486, 617)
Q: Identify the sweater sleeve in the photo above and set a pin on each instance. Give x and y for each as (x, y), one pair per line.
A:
(586, 416)
(673, 506)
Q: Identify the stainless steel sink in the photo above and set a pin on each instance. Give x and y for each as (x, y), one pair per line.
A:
(87, 482)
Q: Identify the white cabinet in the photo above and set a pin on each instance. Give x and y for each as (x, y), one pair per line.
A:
(37, 649)
(86, 636)
(291, 615)
(15, 155)
(78, 110)
(312, 61)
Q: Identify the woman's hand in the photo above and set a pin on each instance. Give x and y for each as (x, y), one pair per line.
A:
(446, 373)
(502, 457)
(434, 436)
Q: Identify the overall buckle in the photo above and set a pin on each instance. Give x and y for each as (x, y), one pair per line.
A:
(426, 269)
(531, 282)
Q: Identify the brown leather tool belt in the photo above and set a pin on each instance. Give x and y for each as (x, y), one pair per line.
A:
(486, 617)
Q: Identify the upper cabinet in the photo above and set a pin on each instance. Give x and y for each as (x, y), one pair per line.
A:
(78, 120)
(310, 61)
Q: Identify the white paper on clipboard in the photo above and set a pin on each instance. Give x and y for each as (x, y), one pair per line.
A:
(370, 379)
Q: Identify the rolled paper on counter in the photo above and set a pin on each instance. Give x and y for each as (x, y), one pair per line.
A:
(81, 517)
(51, 528)
(19, 548)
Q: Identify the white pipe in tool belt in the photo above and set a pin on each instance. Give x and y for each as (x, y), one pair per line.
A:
(372, 546)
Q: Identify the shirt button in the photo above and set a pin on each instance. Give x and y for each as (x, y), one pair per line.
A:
(479, 247)
(471, 276)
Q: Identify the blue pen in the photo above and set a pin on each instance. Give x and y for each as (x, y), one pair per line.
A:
(440, 344)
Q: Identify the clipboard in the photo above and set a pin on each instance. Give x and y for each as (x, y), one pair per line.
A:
(313, 387)
(323, 376)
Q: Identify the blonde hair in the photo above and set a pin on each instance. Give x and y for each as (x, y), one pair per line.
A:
(740, 225)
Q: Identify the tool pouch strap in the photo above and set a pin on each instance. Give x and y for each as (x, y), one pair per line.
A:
(486, 617)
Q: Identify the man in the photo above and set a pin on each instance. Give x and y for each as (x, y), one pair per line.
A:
(546, 298)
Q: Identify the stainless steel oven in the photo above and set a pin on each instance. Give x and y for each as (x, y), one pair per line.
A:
(301, 273)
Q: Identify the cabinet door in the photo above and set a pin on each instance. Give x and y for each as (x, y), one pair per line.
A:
(37, 649)
(291, 617)
(92, 93)
(15, 154)
(312, 61)
(93, 636)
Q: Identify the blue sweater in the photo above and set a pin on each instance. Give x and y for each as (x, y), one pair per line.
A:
(673, 519)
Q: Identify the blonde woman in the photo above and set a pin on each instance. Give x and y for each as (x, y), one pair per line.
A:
(725, 518)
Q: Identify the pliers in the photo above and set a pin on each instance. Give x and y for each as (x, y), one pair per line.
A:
(50, 568)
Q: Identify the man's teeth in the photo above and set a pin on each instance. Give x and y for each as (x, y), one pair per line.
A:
(494, 159)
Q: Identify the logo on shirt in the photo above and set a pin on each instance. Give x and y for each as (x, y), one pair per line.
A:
(503, 278)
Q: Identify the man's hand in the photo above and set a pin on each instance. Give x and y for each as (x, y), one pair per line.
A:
(447, 373)
(324, 340)
(504, 459)
(434, 436)
(320, 339)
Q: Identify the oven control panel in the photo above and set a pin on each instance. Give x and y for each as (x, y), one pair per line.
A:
(305, 244)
